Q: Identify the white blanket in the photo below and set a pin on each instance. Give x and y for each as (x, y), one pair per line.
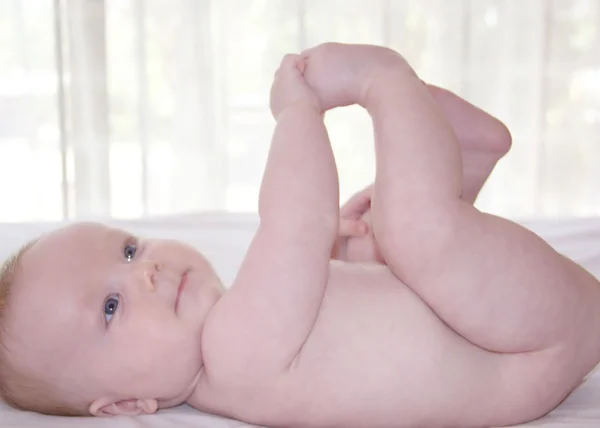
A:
(225, 237)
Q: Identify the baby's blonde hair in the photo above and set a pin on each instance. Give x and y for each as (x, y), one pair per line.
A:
(17, 388)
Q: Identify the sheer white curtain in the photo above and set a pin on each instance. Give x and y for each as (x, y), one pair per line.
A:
(128, 108)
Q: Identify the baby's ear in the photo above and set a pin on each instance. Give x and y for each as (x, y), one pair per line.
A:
(111, 407)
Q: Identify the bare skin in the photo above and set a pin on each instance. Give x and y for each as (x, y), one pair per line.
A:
(471, 321)
(483, 141)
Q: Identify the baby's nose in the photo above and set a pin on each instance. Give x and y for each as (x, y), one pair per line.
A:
(144, 272)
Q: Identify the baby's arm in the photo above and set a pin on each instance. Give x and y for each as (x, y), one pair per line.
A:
(270, 311)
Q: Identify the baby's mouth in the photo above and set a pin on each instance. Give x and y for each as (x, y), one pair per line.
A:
(182, 284)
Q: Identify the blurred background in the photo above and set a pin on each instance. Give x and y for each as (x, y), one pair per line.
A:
(131, 108)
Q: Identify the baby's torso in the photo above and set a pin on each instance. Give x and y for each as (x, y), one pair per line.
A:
(379, 356)
(377, 351)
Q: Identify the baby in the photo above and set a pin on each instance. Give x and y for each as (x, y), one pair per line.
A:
(470, 320)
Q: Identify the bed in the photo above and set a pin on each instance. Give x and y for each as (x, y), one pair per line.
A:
(224, 238)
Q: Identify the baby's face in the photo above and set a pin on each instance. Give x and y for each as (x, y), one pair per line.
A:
(108, 316)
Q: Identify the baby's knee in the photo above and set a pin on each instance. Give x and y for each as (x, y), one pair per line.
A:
(500, 138)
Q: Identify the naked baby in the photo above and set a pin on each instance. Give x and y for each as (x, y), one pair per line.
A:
(470, 320)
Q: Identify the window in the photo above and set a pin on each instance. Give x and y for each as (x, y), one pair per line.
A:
(128, 108)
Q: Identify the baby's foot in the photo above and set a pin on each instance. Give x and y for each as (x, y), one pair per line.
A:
(289, 87)
(343, 74)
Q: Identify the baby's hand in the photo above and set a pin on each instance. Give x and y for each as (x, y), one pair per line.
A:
(356, 207)
(341, 74)
(289, 86)
(352, 212)
(351, 227)
(356, 242)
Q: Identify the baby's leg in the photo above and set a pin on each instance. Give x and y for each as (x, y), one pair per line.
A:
(483, 139)
(492, 281)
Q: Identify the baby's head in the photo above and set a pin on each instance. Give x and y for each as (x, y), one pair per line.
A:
(96, 321)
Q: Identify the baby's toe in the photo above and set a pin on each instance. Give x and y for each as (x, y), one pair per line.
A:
(289, 62)
(301, 64)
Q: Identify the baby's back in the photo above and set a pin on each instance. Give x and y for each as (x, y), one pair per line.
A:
(379, 356)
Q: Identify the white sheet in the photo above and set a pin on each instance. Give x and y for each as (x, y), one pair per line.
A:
(225, 237)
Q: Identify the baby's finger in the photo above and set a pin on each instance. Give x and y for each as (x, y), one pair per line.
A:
(356, 206)
(351, 227)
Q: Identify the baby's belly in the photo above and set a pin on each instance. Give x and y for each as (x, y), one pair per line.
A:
(378, 356)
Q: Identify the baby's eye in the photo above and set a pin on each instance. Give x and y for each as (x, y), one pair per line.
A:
(110, 306)
(129, 251)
